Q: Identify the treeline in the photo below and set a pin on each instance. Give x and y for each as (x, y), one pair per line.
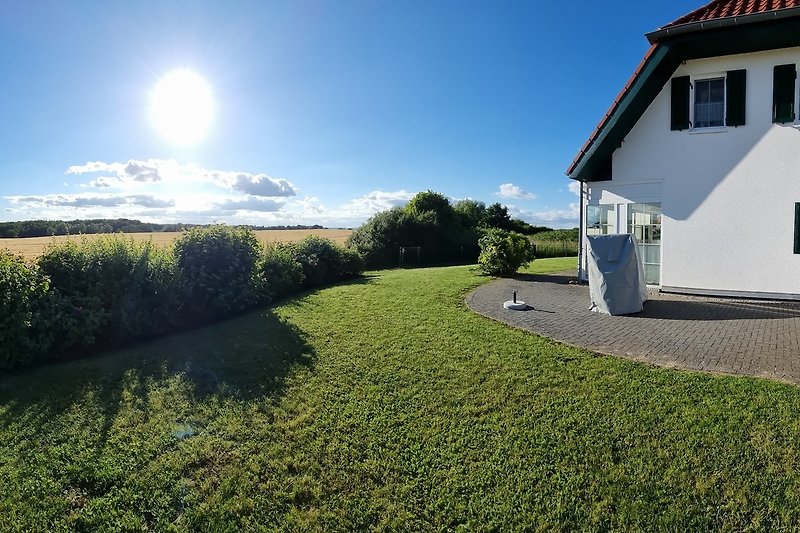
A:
(438, 232)
(46, 228)
(559, 235)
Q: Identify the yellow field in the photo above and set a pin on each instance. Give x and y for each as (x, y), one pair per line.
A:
(32, 247)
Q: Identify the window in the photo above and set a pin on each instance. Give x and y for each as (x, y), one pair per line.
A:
(709, 103)
(797, 228)
(644, 221)
(783, 93)
(600, 220)
(713, 102)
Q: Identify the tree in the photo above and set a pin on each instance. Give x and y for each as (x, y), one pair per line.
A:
(497, 217)
(430, 201)
(471, 213)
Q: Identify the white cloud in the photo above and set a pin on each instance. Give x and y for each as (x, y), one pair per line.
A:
(509, 190)
(190, 203)
(255, 184)
(374, 202)
(555, 218)
(148, 200)
(87, 200)
(143, 171)
(147, 171)
(134, 173)
(91, 167)
(102, 182)
(575, 187)
(309, 210)
(249, 203)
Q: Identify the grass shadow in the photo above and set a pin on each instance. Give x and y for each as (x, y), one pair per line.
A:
(245, 358)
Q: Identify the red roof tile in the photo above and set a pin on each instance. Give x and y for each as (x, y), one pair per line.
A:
(719, 9)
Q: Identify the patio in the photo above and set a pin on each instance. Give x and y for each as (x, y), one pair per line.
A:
(722, 335)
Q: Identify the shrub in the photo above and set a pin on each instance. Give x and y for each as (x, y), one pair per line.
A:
(218, 269)
(503, 252)
(23, 289)
(76, 309)
(279, 273)
(111, 288)
(378, 240)
(443, 239)
(324, 262)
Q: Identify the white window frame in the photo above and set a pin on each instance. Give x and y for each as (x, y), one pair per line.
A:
(693, 79)
(614, 225)
(651, 200)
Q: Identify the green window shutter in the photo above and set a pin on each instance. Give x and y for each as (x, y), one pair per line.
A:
(783, 78)
(735, 99)
(797, 228)
(679, 119)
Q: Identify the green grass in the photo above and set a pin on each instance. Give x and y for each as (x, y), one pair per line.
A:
(386, 404)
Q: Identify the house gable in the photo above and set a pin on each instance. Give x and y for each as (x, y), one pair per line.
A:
(768, 26)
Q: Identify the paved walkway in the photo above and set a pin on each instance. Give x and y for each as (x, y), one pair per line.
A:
(724, 335)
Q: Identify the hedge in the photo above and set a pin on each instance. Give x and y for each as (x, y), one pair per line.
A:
(111, 291)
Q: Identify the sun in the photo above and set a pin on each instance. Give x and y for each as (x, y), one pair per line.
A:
(182, 107)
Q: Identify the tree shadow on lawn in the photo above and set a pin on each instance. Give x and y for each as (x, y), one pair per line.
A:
(244, 358)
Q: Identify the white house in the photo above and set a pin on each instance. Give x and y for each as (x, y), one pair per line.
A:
(699, 155)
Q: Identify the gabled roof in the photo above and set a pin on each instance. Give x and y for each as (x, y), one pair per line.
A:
(719, 9)
(721, 27)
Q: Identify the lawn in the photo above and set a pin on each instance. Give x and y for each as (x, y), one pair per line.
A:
(386, 404)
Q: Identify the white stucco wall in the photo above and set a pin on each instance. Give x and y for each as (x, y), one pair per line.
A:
(727, 197)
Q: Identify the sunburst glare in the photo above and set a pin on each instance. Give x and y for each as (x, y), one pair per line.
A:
(182, 107)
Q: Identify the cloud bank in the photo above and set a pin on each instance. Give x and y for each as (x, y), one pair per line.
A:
(137, 172)
(163, 190)
(83, 200)
(557, 218)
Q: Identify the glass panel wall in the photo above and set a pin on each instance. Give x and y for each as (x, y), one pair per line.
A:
(600, 220)
(644, 221)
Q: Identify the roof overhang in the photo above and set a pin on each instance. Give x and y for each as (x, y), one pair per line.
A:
(706, 39)
(691, 27)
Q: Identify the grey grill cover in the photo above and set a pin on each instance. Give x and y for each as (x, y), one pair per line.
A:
(616, 276)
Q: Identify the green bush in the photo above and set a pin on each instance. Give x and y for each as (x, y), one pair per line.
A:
(324, 262)
(75, 307)
(111, 289)
(218, 270)
(23, 289)
(279, 273)
(438, 232)
(503, 252)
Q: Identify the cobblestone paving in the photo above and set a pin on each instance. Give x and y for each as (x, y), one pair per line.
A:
(724, 335)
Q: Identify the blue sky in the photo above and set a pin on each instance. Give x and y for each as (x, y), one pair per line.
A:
(325, 112)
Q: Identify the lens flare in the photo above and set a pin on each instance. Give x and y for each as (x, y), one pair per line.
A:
(182, 107)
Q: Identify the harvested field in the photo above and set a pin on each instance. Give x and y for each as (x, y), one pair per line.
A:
(32, 247)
